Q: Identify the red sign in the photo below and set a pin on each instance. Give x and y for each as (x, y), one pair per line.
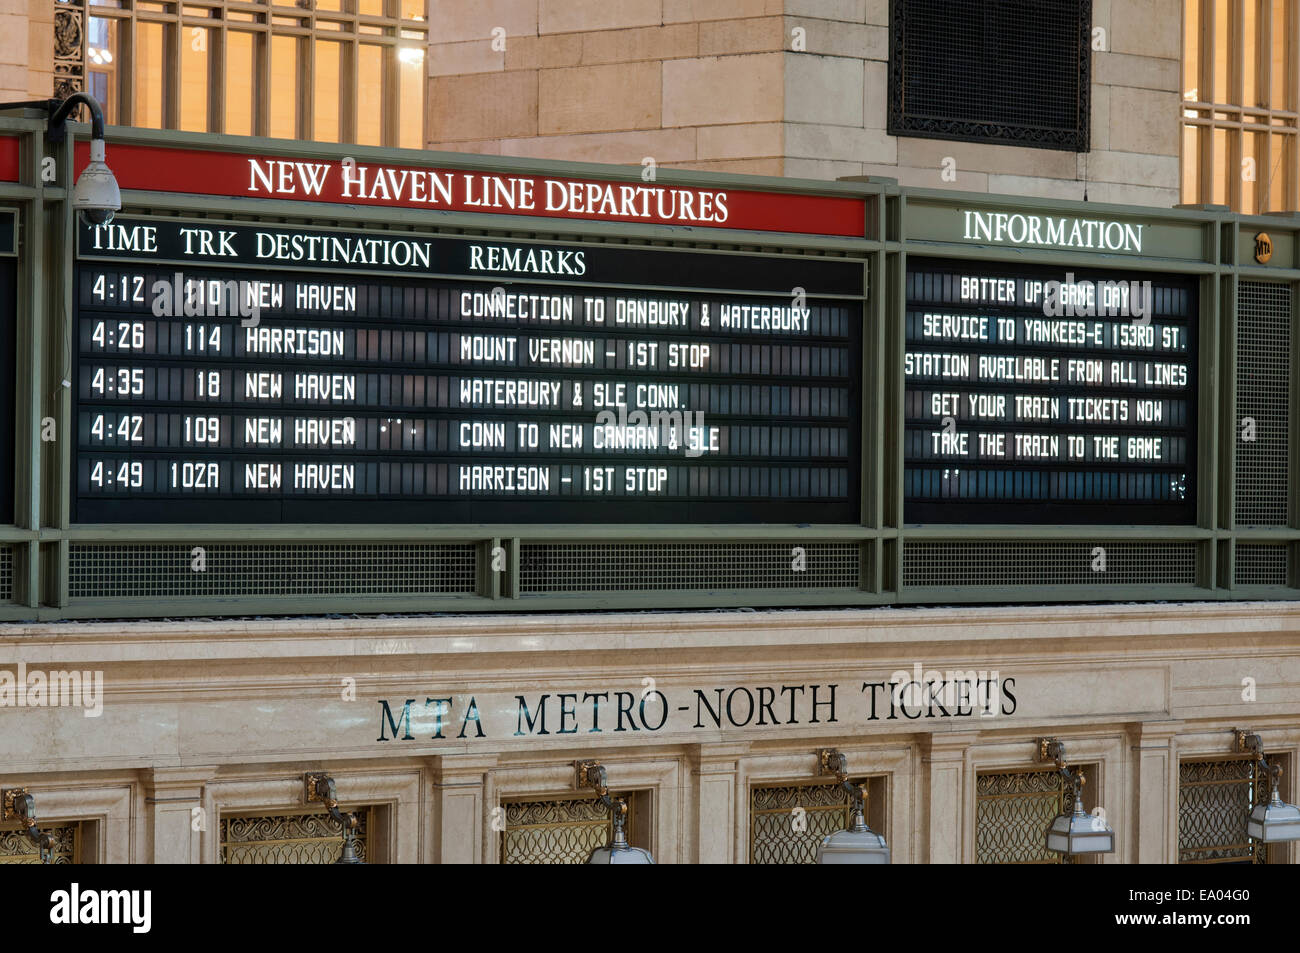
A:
(9, 159)
(349, 182)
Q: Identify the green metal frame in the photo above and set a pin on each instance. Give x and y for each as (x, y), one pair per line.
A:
(900, 221)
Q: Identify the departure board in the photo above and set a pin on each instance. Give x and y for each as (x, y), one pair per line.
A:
(245, 373)
(1049, 395)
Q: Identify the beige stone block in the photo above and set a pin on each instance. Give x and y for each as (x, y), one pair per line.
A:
(483, 106)
(929, 178)
(1099, 132)
(13, 39)
(875, 95)
(1146, 72)
(823, 169)
(850, 11)
(1147, 28)
(647, 43)
(770, 166)
(1036, 186)
(13, 80)
(618, 148)
(877, 12)
(979, 157)
(586, 16)
(833, 38)
(1101, 17)
(698, 11)
(486, 147)
(709, 91)
(599, 98)
(815, 141)
(40, 47)
(823, 89)
(544, 52)
(756, 35)
(1132, 195)
(40, 84)
(743, 141)
(456, 22)
(1144, 120)
(38, 10)
(1129, 168)
(457, 59)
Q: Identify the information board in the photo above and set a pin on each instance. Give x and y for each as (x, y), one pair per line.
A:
(1048, 395)
(247, 373)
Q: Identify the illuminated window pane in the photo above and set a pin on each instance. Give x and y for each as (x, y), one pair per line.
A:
(1283, 55)
(1219, 167)
(1191, 165)
(1192, 50)
(241, 83)
(413, 9)
(332, 5)
(102, 57)
(1250, 54)
(1222, 52)
(150, 58)
(1251, 156)
(370, 95)
(325, 112)
(370, 8)
(410, 116)
(284, 87)
(194, 78)
(1281, 159)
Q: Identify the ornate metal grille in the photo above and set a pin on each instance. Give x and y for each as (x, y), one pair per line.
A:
(288, 838)
(15, 848)
(1012, 812)
(69, 47)
(1015, 71)
(558, 831)
(1264, 395)
(1214, 800)
(787, 823)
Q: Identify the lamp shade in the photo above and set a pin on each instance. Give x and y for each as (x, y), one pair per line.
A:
(1274, 822)
(1080, 833)
(859, 844)
(619, 851)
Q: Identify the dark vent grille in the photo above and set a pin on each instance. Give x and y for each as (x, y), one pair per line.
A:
(582, 567)
(1047, 564)
(1264, 395)
(119, 571)
(6, 573)
(1009, 71)
(1258, 565)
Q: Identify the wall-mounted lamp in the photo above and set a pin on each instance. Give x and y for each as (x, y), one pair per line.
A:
(1276, 821)
(17, 805)
(1077, 832)
(858, 843)
(591, 774)
(319, 788)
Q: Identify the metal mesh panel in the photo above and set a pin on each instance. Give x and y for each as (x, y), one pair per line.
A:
(788, 823)
(124, 571)
(16, 848)
(586, 567)
(1060, 564)
(1015, 71)
(563, 831)
(6, 573)
(1258, 565)
(288, 838)
(1012, 813)
(1214, 800)
(1263, 395)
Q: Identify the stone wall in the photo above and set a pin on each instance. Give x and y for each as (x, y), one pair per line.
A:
(720, 85)
(26, 49)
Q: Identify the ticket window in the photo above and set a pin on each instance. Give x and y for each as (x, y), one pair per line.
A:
(68, 837)
(297, 837)
(1013, 810)
(565, 830)
(788, 822)
(1215, 798)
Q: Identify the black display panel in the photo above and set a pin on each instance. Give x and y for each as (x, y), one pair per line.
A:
(1047, 395)
(387, 377)
(8, 347)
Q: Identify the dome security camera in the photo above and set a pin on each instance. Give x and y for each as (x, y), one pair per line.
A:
(96, 197)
